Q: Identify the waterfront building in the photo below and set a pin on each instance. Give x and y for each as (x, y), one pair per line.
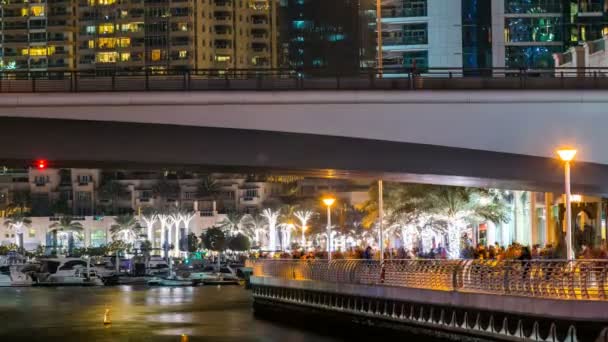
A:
(36, 35)
(320, 34)
(137, 34)
(485, 34)
(528, 33)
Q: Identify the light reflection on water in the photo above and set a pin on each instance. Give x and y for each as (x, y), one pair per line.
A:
(137, 314)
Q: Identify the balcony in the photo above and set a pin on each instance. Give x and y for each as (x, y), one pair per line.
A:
(222, 17)
(398, 12)
(223, 3)
(416, 40)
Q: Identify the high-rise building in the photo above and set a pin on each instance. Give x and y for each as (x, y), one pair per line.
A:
(421, 33)
(527, 32)
(321, 35)
(36, 35)
(136, 34)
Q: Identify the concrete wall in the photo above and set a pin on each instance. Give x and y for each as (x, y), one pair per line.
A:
(578, 310)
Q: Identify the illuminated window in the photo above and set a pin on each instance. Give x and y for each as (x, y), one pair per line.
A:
(132, 27)
(105, 28)
(90, 29)
(106, 57)
(222, 58)
(183, 54)
(24, 12)
(92, 2)
(38, 51)
(155, 55)
(91, 44)
(123, 42)
(106, 43)
(125, 56)
(183, 26)
(32, 233)
(605, 31)
(25, 52)
(37, 11)
(124, 13)
(106, 2)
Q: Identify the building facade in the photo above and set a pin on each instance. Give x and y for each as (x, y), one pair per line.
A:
(321, 35)
(485, 34)
(527, 33)
(136, 34)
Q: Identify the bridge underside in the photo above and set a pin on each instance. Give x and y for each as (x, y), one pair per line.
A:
(79, 143)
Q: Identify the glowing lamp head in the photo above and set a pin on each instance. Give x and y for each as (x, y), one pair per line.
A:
(566, 154)
(41, 164)
(329, 201)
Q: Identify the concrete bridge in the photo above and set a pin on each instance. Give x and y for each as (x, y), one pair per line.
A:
(437, 128)
(544, 300)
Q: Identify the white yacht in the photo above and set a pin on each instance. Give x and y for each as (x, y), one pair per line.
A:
(210, 275)
(11, 275)
(67, 271)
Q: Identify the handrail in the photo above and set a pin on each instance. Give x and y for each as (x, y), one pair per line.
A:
(445, 78)
(553, 279)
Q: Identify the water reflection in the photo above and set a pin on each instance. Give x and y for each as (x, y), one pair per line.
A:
(136, 314)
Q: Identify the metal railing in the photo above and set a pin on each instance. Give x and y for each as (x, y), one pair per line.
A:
(12, 81)
(553, 279)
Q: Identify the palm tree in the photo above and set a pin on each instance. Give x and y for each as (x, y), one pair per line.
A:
(253, 224)
(125, 226)
(271, 216)
(112, 190)
(166, 218)
(232, 223)
(458, 206)
(286, 225)
(149, 216)
(65, 225)
(166, 189)
(17, 222)
(184, 216)
(303, 216)
(208, 188)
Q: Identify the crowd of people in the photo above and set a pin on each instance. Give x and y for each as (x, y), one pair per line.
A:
(514, 251)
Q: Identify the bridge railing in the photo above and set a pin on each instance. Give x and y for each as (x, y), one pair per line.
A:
(555, 279)
(290, 79)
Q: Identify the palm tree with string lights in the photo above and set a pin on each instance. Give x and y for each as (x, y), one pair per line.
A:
(65, 226)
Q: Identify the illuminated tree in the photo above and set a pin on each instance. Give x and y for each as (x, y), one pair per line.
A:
(254, 227)
(66, 226)
(125, 228)
(459, 206)
(272, 217)
(150, 217)
(186, 217)
(304, 216)
(17, 222)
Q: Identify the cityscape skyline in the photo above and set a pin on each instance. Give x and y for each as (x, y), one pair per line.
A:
(83, 35)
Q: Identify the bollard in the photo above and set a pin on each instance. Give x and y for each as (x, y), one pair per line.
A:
(106, 317)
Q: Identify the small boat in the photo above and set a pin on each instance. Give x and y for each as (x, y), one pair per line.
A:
(170, 281)
(225, 276)
(11, 276)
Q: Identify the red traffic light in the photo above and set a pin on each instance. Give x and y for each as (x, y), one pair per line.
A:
(41, 164)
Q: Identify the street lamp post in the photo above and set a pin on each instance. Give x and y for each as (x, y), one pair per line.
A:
(567, 155)
(328, 202)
